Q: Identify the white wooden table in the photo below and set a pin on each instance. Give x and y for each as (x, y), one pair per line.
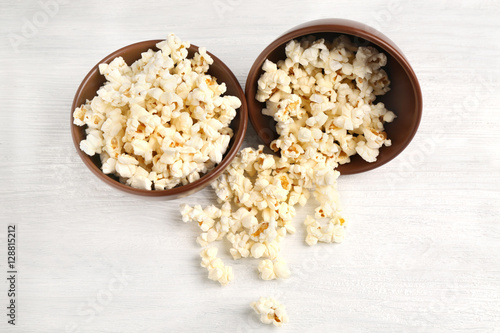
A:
(423, 245)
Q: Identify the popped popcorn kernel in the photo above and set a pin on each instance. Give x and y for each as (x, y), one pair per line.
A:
(270, 311)
(217, 271)
(273, 269)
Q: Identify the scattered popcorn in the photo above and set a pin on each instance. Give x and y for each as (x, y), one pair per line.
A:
(257, 209)
(273, 269)
(217, 271)
(161, 122)
(333, 232)
(270, 311)
(258, 192)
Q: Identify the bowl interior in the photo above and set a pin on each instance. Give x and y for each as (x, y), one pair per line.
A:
(404, 98)
(94, 80)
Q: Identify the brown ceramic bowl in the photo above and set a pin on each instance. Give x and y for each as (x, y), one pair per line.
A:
(404, 98)
(93, 81)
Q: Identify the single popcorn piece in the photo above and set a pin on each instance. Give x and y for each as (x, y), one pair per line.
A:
(270, 311)
(217, 271)
(93, 143)
(332, 232)
(162, 121)
(273, 269)
(126, 165)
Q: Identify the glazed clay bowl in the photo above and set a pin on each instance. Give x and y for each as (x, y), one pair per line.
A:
(404, 98)
(94, 80)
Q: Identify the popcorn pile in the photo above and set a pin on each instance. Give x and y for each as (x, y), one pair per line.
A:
(322, 98)
(217, 271)
(160, 122)
(270, 311)
(257, 194)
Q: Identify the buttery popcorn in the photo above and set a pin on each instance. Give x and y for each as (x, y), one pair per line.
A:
(273, 269)
(217, 271)
(332, 232)
(270, 311)
(161, 122)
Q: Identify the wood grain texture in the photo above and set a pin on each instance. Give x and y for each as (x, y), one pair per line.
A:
(423, 245)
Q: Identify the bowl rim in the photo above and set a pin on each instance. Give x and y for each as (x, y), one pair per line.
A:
(182, 190)
(346, 27)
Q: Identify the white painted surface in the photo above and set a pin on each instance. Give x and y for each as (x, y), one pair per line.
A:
(423, 246)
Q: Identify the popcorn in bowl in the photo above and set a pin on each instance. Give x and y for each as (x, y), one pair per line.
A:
(161, 122)
(322, 97)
